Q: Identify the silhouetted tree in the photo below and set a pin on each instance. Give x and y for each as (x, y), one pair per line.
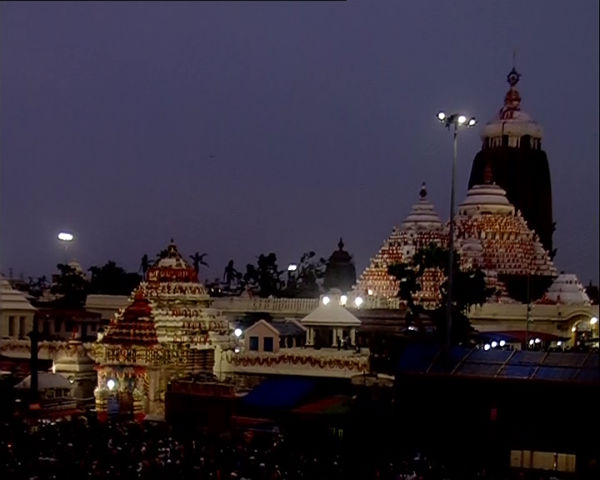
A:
(309, 273)
(469, 289)
(37, 286)
(111, 279)
(71, 285)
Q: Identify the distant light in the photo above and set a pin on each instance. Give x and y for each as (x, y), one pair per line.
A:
(531, 342)
(502, 343)
(370, 292)
(412, 328)
(111, 384)
(538, 340)
(593, 320)
(292, 267)
(574, 328)
(486, 346)
(494, 344)
(461, 119)
(472, 122)
(238, 332)
(237, 350)
(65, 236)
(343, 299)
(441, 116)
(326, 300)
(358, 301)
(559, 343)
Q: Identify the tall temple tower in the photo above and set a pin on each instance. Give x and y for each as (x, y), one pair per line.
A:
(512, 146)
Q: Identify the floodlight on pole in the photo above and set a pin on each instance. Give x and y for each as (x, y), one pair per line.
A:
(454, 120)
(66, 238)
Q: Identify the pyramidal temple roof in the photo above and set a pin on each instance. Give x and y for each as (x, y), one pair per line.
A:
(420, 228)
(134, 325)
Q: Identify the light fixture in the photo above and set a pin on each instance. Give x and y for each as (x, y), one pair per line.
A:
(326, 300)
(502, 343)
(538, 340)
(111, 384)
(456, 120)
(65, 236)
(237, 350)
(358, 301)
(494, 344)
(292, 267)
(559, 343)
(369, 292)
(343, 300)
(238, 332)
(573, 328)
(486, 346)
(593, 320)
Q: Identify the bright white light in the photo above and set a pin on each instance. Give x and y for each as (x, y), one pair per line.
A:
(486, 346)
(441, 116)
(531, 342)
(559, 343)
(65, 236)
(502, 343)
(494, 344)
(343, 299)
(472, 122)
(238, 332)
(370, 292)
(593, 320)
(237, 350)
(111, 384)
(53, 367)
(292, 267)
(326, 300)
(574, 329)
(537, 340)
(358, 301)
(461, 119)
(412, 328)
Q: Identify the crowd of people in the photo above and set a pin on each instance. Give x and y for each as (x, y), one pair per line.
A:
(82, 448)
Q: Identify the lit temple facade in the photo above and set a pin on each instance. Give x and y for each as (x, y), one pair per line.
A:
(167, 331)
(421, 228)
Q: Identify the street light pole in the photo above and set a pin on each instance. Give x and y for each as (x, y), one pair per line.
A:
(454, 120)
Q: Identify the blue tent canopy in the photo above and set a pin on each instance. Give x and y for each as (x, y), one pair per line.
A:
(280, 393)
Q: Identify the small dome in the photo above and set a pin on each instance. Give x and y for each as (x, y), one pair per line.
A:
(567, 289)
(486, 199)
(422, 215)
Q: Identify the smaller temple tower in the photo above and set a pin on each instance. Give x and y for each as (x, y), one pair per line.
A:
(167, 331)
(340, 272)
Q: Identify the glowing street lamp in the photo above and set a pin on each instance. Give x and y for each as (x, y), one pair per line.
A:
(238, 332)
(358, 302)
(66, 238)
(454, 120)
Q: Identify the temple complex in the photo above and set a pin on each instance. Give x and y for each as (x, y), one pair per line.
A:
(167, 331)
(512, 146)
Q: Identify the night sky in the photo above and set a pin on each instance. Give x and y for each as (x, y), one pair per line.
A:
(245, 128)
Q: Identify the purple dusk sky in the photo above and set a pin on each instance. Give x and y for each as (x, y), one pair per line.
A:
(251, 127)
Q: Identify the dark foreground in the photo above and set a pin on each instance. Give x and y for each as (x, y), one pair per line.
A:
(83, 448)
